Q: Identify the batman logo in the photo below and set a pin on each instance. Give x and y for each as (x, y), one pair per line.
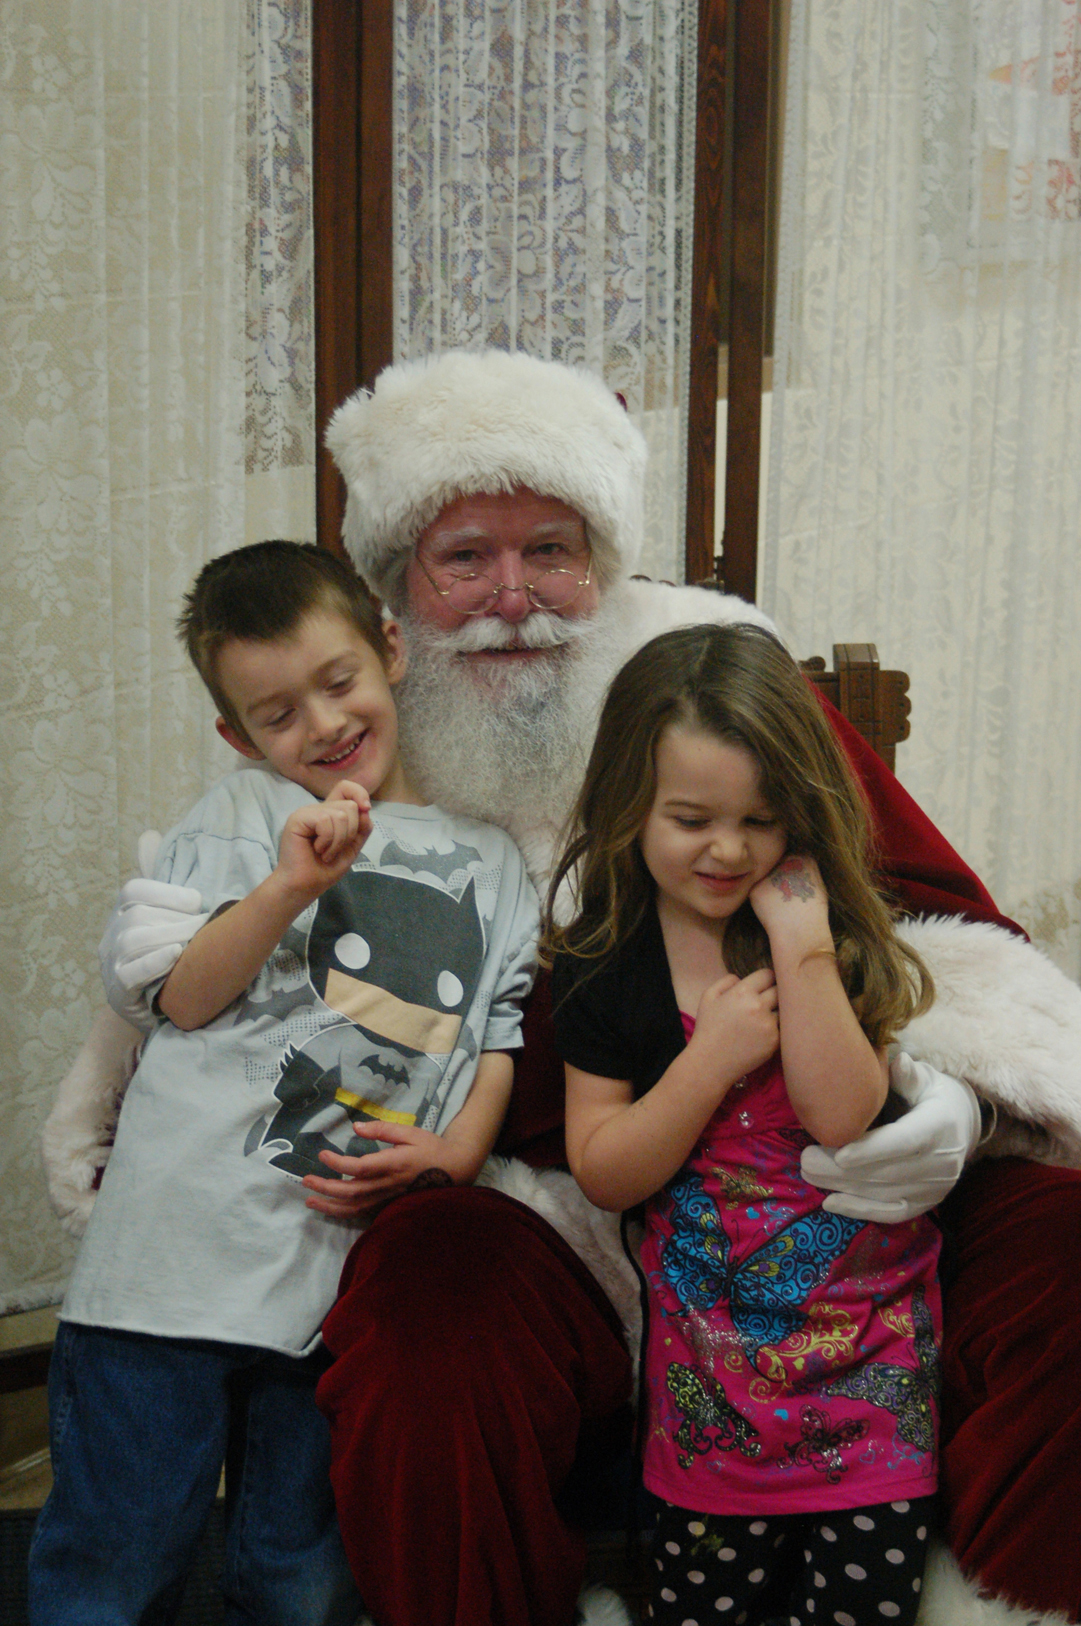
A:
(399, 960)
(444, 865)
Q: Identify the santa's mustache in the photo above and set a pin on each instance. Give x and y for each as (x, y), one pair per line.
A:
(541, 629)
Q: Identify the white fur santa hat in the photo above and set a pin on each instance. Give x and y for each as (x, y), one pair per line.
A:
(484, 421)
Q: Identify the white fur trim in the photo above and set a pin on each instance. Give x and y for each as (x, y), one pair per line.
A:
(655, 607)
(598, 1606)
(949, 1599)
(1008, 1021)
(78, 1133)
(488, 421)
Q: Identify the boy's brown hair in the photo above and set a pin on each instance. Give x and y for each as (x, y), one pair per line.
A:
(263, 592)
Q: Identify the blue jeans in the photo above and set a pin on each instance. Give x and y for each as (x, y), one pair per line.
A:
(139, 1428)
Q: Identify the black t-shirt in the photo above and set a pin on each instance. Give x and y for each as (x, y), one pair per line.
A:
(619, 1019)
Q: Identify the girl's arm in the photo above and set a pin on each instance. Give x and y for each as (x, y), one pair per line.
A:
(621, 1150)
(318, 845)
(835, 1078)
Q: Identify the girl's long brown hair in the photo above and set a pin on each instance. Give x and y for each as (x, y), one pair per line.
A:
(739, 684)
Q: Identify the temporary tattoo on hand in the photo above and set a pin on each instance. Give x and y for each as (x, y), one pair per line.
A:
(791, 879)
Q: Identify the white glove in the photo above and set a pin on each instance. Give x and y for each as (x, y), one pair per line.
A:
(78, 1135)
(904, 1168)
(143, 938)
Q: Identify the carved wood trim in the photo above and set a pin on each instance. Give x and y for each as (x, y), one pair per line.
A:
(875, 702)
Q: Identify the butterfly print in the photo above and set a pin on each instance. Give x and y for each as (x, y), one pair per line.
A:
(821, 1444)
(765, 1290)
(703, 1404)
(910, 1393)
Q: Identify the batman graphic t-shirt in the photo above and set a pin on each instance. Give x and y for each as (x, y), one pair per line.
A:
(375, 1007)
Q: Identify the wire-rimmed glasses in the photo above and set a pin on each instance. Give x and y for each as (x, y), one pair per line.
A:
(473, 593)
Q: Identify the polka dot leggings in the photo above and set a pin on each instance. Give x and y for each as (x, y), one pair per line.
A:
(860, 1567)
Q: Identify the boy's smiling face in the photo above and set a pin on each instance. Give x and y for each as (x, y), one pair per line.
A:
(317, 705)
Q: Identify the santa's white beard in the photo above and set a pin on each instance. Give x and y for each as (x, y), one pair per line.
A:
(503, 739)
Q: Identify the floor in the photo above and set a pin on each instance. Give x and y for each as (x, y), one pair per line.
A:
(26, 1484)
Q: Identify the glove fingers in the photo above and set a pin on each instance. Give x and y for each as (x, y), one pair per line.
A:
(134, 941)
(140, 973)
(892, 1180)
(162, 895)
(860, 1208)
(147, 851)
(820, 1167)
(914, 1135)
(906, 1077)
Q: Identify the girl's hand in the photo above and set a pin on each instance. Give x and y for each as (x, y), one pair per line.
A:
(321, 843)
(412, 1157)
(737, 1022)
(792, 905)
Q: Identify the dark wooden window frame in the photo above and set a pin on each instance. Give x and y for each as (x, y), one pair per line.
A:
(352, 67)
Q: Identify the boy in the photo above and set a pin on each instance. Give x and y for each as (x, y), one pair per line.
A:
(335, 1000)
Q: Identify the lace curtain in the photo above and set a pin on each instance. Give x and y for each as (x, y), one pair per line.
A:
(925, 478)
(140, 287)
(544, 166)
(280, 348)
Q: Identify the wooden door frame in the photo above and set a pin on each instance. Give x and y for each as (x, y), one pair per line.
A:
(352, 124)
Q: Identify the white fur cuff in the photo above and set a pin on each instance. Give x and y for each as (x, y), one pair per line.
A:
(1007, 1021)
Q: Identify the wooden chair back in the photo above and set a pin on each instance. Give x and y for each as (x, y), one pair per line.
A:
(875, 702)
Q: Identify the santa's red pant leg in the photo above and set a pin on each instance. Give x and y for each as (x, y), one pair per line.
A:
(1011, 1414)
(471, 1346)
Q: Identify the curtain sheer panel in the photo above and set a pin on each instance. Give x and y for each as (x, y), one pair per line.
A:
(280, 348)
(137, 296)
(925, 479)
(544, 168)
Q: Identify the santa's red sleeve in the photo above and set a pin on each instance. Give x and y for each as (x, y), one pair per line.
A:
(924, 874)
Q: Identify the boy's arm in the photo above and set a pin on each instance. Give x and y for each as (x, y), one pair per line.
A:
(417, 1156)
(318, 846)
(836, 1080)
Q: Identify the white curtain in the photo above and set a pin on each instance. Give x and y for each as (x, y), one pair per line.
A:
(280, 349)
(925, 475)
(544, 166)
(129, 253)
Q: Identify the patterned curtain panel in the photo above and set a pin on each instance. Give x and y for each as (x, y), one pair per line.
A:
(138, 290)
(544, 174)
(925, 479)
(280, 351)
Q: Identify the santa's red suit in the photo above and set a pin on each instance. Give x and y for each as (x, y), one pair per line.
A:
(480, 1333)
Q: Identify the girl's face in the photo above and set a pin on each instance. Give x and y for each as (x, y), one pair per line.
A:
(709, 836)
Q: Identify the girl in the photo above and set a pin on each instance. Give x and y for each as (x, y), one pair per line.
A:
(724, 996)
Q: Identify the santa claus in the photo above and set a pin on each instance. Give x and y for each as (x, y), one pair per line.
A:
(481, 1335)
